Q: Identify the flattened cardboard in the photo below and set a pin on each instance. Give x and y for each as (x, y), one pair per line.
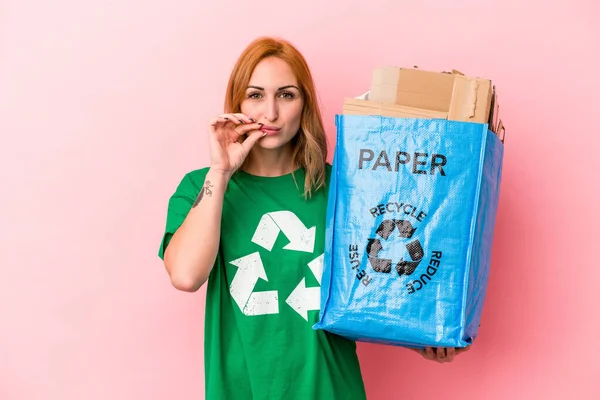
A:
(471, 100)
(501, 131)
(414, 93)
(385, 75)
(413, 87)
(384, 93)
(495, 113)
(369, 107)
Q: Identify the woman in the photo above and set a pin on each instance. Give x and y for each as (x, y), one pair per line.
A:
(258, 212)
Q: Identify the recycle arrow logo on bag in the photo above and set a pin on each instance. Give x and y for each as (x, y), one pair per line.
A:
(414, 248)
(251, 269)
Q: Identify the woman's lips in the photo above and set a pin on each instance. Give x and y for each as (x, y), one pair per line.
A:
(270, 130)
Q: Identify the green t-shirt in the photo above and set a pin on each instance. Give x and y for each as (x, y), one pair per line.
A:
(263, 294)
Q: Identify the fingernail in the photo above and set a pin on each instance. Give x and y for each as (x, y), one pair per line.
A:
(260, 124)
(264, 134)
(252, 119)
(240, 121)
(226, 118)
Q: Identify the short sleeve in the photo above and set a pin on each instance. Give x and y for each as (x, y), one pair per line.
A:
(180, 204)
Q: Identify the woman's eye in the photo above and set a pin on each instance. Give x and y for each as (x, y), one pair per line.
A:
(287, 95)
(283, 95)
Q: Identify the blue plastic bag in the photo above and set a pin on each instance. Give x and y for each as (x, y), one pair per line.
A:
(410, 220)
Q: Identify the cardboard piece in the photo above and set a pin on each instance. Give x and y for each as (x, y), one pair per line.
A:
(412, 88)
(413, 93)
(370, 107)
(463, 98)
(471, 99)
(500, 131)
(495, 114)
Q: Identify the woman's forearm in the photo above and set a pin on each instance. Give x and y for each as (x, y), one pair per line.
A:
(192, 251)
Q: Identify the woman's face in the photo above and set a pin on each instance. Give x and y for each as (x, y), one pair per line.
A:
(273, 97)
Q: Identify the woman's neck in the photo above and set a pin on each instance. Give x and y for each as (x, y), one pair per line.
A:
(269, 163)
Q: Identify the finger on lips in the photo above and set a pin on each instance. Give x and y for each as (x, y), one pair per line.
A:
(243, 129)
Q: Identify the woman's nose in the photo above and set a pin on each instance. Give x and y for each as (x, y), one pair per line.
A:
(271, 110)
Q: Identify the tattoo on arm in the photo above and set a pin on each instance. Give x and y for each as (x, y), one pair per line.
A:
(205, 191)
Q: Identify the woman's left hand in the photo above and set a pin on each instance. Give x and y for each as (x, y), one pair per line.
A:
(441, 354)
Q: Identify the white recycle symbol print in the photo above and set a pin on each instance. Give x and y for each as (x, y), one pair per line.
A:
(251, 269)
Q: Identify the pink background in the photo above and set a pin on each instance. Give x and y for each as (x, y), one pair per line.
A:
(103, 107)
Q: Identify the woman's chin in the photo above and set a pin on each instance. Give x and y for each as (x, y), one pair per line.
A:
(273, 142)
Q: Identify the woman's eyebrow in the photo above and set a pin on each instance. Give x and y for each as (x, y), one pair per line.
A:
(281, 88)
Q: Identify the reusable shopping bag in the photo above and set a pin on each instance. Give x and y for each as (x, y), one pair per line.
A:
(410, 222)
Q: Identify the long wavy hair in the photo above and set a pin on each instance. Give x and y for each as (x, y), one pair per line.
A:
(310, 144)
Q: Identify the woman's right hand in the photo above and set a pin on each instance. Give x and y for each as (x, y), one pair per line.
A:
(227, 148)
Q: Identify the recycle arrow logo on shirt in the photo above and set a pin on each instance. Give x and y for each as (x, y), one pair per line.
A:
(251, 269)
